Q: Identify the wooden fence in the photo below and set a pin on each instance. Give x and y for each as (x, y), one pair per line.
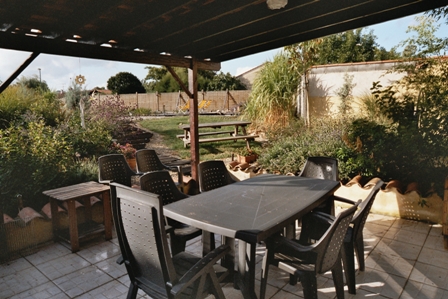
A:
(175, 102)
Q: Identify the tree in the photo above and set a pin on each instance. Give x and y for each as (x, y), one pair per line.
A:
(423, 43)
(125, 82)
(159, 79)
(34, 83)
(352, 46)
(417, 106)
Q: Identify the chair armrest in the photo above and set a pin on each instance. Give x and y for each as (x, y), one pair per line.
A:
(168, 228)
(202, 267)
(345, 200)
(323, 217)
(104, 181)
(280, 244)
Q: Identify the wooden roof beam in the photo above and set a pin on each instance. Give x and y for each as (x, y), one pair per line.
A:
(18, 71)
(64, 48)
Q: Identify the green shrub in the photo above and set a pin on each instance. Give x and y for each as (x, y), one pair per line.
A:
(141, 112)
(14, 102)
(288, 152)
(111, 113)
(33, 159)
(93, 140)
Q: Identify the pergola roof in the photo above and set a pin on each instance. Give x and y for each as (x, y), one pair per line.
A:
(171, 32)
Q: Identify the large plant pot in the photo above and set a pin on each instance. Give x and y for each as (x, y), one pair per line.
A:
(132, 163)
(247, 159)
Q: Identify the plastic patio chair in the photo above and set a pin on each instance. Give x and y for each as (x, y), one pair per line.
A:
(321, 168)
(161, 183)
(139, 222)
(305, 261)
(114, 168)
(325, 168)
(148, 160)
(213, 174)
(313, 228)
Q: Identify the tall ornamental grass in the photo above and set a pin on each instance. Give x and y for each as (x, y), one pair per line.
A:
(272, 103)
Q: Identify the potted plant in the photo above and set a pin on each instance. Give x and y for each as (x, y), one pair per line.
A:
(246, 155)
(129, 153)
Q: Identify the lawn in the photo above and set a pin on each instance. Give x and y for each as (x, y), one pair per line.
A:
(168, 127)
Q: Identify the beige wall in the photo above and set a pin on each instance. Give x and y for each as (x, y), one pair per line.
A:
(324, 82)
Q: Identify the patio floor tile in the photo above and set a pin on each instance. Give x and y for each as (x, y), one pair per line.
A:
(404, 259)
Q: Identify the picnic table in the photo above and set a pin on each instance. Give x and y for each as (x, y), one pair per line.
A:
(234, 133)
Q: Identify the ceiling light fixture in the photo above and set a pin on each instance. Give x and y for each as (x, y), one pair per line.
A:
(276, 4)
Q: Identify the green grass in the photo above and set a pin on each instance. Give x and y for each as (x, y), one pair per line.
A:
(168, 127)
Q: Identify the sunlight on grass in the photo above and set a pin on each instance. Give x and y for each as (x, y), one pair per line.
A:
(168, 127)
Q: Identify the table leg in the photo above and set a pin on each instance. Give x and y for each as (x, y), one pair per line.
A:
(235, 133)
(73, 225)
(229, 259)
(54, 217)
(290, 230)
(246, 269)
(107, 215)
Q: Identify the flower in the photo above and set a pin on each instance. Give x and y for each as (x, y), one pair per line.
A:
(127, 150)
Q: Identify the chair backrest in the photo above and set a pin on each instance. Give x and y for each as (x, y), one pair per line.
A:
(360, 217)
(138, 219)
(321, 168)
(328, 247)
(213, 174)
(147, 160)
(114, 168)
(161, 183)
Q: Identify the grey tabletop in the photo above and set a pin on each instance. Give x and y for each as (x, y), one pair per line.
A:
(253, 209)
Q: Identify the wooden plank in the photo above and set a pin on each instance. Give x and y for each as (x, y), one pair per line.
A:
(217, 124)
(180, 136)
(228, 138)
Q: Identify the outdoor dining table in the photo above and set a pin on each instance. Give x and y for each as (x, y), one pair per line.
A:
(251, 211)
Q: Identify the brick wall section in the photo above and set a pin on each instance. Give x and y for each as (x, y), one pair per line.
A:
(173, 101)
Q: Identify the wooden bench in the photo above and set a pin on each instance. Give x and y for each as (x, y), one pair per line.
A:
(234, 134)
(181, 136)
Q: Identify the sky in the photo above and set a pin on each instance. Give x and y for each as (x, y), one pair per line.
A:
(59, 71)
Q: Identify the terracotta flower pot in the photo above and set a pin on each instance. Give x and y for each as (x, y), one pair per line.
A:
(247, 159)
(132, 163)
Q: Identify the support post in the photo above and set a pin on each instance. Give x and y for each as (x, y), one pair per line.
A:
(445, 215)
(194, 119)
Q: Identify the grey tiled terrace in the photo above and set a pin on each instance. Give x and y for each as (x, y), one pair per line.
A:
(405, 259)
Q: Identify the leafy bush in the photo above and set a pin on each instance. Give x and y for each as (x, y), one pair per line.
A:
(141, 112)
(288, 152)
(111, 114)
(93, 140)
(33, 158)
